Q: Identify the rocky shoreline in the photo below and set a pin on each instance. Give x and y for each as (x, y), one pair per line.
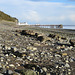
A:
(36, 51)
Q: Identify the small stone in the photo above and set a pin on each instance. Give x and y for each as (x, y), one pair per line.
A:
(1, 59)
(30, 59)
(3, 66)
(7, 67)
(1, 74)
(58, 47)
(32, 48)
(6, 62)
(64, 54)
(10, 71)
(26, 62)
(8, 59)
(57, 55)
(9, 48)
(51, 56)
(66, 49)
(51, 49)
(33, 68)
(6, 55)
(71, 47)
(14, 56)
(67, 61)
(6, 47)
(44, 68)
(69, 73)
(0, 66)
(36, 44)
(67, 65)
(41, 70)
(56, 66)
(14, 48)
(11, 65)
(18, 64)
(17, 34)
(69, 70)
(71, 60)
(23, 55)
(31, 54)
(48, 74)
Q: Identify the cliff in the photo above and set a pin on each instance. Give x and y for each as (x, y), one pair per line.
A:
(6, 17)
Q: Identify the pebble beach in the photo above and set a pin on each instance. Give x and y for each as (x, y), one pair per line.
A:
(27, 50)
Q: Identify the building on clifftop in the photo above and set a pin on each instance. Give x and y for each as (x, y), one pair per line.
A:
(23, 23)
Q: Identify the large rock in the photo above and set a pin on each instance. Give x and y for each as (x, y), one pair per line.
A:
(40, 38)
(60, 26)
(72, 41)
(19, 31)
(56, 36)
(27, 32)
(43, 38)
(52, 35)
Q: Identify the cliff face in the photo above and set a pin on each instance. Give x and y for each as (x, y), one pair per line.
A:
(6, 17)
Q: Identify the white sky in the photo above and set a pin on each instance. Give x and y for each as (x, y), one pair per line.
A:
(41, 11)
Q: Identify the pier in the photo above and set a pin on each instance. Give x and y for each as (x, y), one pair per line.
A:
(48, 26)
(54, 26)
(60, 26)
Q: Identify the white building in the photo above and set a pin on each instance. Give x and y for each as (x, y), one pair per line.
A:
(24, 23)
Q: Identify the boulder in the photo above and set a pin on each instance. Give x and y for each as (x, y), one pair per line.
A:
(27, 32)
(60, 26)
(19, 31)
(43, 38)
(40, 38)
(52, 35)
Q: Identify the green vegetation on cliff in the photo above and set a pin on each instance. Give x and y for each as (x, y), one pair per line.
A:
(6, 17)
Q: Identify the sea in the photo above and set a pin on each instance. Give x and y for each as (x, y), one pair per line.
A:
(64, 27)
(69, 27)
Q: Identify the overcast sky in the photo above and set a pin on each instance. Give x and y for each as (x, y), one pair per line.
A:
(41, 11)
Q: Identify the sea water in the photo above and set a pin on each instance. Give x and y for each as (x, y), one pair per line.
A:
(64, 27)
(68, 27)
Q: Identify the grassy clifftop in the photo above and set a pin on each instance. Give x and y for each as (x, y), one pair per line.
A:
(6, 17)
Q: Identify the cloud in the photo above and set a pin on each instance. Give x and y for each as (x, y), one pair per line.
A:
(39, 0)
(72, 17)
(32, 16)
(56, 18)
(71, 0)
(69, 6)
